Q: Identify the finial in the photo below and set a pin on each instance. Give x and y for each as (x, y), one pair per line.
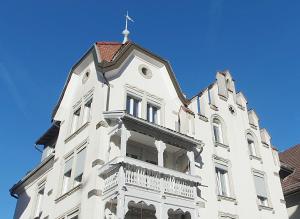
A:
(126, 31)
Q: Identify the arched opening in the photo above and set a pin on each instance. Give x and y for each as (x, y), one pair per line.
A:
(110, 210)
(140, 210)
(178, 214)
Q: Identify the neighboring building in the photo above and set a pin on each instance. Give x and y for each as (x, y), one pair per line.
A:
(125, 142)
(290, 180)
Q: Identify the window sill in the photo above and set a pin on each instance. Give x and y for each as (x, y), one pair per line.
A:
(213, 107)
(68, 193)
(253, 126)
(203, 118)
(255, 158)
(223, 97)
(77, 132)
(231, 199)
(265, 144)
(217, 144)
(262, 207)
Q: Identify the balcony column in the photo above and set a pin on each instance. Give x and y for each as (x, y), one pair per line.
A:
(121, 194)
(125, 134)
(160, 146)
(191, 157)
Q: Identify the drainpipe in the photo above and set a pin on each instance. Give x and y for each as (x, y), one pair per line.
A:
(108, 91)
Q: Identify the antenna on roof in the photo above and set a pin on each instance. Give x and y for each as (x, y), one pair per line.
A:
(126, 31)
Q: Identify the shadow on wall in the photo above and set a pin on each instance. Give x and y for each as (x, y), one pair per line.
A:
(22, 204)
(296, 214)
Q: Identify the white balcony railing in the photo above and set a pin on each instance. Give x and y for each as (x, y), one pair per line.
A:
(149, 177)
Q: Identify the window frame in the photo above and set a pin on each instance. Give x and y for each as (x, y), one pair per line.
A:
(262, 175)
(250, 136)
(41, 186)
(152, 105)
(73, 155)
(224, 164)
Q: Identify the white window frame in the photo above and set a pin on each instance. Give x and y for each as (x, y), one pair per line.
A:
(150, 117)
(223, 186)
(130, 107)
(39, 200)
(87, 108)
(73, 155)
(225, 165)
(263, 201)
(216, 123)
(74, 127)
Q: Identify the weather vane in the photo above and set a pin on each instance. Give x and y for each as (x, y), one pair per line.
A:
(126, 31)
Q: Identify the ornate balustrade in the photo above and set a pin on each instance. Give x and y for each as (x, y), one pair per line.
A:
(149, 177)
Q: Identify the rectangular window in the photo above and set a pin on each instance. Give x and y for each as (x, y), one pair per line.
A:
(87, 111)
(222, 182)
(260, 187)
(217, 133)
(133, 106)
(79, 166)
(39, 202)
(75, 120)
(67, 175)
(152, 113)
(251, 147)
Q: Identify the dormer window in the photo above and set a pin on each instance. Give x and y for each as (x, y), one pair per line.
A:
(152, 113)
(217, 131)
(133, 106)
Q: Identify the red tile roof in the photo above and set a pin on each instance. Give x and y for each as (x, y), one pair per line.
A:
(291, 157)
(108, 50)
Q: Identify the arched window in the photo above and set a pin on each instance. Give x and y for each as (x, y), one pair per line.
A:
(217, 131)
(252, 145)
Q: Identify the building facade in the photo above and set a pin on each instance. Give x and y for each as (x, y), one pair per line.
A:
(290, 180)
(125, 142)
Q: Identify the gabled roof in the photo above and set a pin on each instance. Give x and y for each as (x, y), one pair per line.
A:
(290, 158)
(107, 50)
(110, 55)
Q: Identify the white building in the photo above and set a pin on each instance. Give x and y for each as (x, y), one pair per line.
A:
(125, 142)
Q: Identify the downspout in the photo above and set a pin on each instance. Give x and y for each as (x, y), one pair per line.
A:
(108, 92)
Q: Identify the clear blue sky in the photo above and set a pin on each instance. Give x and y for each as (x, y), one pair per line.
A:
(257, 40)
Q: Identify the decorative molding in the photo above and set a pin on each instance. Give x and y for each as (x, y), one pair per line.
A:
(70, 192)
(50, 192)
(203, 118)
(231, 199)
(253, 126)
(265, 144)
(94, 192)
(218, 144)
(227, 215)
(97, 162)
(102, 123)
(77, 132)
(223, 97)
(213, 107)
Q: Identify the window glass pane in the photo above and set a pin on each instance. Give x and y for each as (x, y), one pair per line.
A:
(79, 166)
(67, 175)
(260, 186)
(133, 106)
(152, 113)
(87, 111)
(75, 120)
(222, 182)
(216, 133)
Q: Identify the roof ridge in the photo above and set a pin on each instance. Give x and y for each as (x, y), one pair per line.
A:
(108, 43)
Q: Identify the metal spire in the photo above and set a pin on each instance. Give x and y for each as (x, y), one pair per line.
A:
(126, 31)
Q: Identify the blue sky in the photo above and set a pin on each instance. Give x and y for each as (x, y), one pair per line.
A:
(257, 40)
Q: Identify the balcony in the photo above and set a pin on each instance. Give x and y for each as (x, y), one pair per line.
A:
(150, 169)
(148, 177)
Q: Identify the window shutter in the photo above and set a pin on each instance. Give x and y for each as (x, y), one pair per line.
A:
(80, 162)
(260, 186)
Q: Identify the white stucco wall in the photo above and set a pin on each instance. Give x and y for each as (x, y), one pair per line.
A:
(159, 88)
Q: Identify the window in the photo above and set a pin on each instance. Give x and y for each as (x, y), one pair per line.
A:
(73, 171)
(217, 131)
(39, 201)
(87, 111)
(260, 187)
(67, 175)
(252, 145)
(133, 106)
(75, 120)
(152, 113)
(222, 182)
(79, 167)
